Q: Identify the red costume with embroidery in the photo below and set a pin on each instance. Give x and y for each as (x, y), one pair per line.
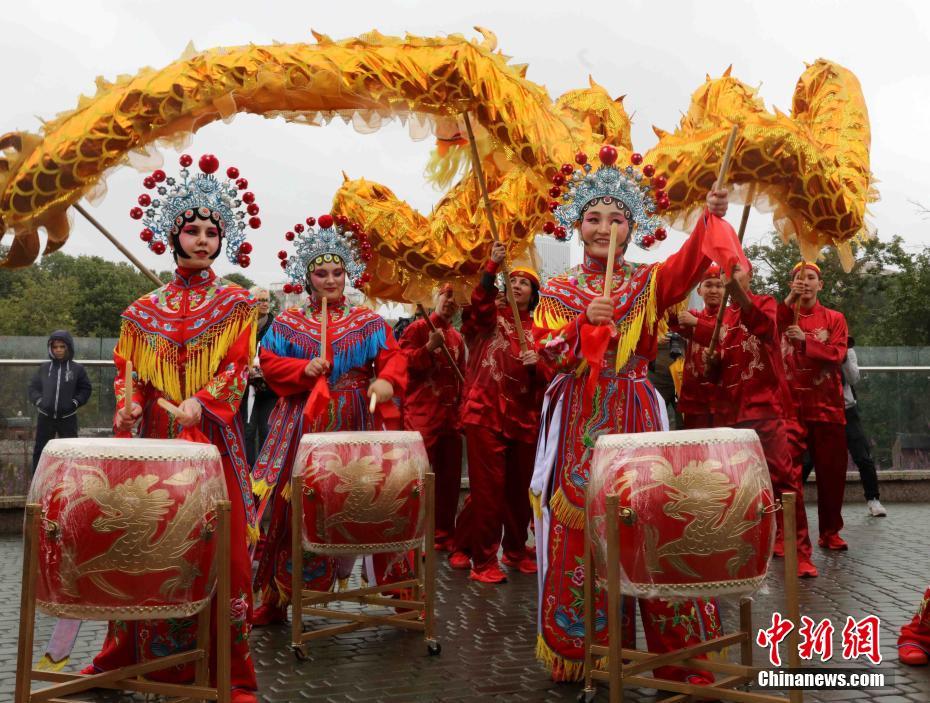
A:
(814, 369)
(754, 393)
(500, 416)
(192, 338)
(697, 398)
(361, 348)
(580, 405)
(431, 407)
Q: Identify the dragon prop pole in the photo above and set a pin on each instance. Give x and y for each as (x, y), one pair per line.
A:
(445, 349)
(128, 254)
(715, 337)
(479, 174)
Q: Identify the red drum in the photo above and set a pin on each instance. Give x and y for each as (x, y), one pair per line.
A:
(697, 511)
(127, 527)
(362, 491)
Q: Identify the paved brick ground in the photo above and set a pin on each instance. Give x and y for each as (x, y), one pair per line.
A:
(488, 633)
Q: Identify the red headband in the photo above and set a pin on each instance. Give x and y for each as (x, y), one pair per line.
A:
(713, 271)
(806, 265)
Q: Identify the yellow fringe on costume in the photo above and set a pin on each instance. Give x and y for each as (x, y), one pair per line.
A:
(261, 489)
(155, 358)
(570, 669)
(565, 511)
(537, 506)
(631, 327)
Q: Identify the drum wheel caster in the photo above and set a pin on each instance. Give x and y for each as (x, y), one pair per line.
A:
(586, 695)
(299, 653)
(433, 648)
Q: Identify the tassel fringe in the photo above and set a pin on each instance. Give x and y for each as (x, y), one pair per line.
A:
(261, 489)
(156, 359)
(537, 505)
(252, 534)
(643, 310)
(559, 667)
(565, 511)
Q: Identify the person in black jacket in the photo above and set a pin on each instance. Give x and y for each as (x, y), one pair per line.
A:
(58, 389)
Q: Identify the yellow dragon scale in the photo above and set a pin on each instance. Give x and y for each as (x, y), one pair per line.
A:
(811, 168)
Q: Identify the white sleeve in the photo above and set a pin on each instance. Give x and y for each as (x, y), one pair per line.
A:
(851, 368)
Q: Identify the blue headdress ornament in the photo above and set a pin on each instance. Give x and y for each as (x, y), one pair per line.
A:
(333, 240)
(180, 200)
(630, 189)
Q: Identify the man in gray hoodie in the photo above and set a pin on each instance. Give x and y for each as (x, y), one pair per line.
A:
(58, 389)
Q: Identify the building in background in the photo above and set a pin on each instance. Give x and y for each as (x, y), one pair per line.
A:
(554, 256)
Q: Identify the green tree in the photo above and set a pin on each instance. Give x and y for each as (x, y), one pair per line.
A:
(879, 296)
(106, 289)
(38, 305)
(239, 279)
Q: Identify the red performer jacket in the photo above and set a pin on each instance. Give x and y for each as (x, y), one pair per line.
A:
(814, 366)
(752, 374)
(434, 391)
(500, 391)
(698, 392)
(192, 338)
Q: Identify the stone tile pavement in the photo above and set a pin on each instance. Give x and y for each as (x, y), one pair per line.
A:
(488, 632)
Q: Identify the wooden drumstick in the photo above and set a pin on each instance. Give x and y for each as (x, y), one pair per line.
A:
(373, 403)
(127, 388)
(323, 325)
(171, 408)
(611, 256)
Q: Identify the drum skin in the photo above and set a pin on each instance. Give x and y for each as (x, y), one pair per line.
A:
(697, 511)
(127, 527)
(362, 491)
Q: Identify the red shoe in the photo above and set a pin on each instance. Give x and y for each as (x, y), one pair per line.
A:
(909, 654)
(268, 614)
(459, 560)
(89, 670)
(701, 680)
(524, 564)
(444, 544)
(489, 574)
(834, 542)
(241, 695)
(806, 568)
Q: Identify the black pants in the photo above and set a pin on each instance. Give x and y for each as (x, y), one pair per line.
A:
(858, 445)
(256, 429)
(48, 428)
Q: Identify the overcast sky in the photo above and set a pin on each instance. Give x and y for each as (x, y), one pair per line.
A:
(656, 53)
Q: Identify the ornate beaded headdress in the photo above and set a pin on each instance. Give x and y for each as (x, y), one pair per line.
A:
(179, 200)
(335, 240)
(574, 189)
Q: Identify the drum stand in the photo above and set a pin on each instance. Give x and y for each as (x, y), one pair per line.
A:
(129, 678)
(624, 667)
(423, 584)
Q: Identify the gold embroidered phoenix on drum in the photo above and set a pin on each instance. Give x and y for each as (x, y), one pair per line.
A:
(717, 508)
(373, 496)
(136, 511)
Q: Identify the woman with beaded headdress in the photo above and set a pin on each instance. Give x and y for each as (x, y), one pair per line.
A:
(601, 346)
(361, 360)
(190, 342)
